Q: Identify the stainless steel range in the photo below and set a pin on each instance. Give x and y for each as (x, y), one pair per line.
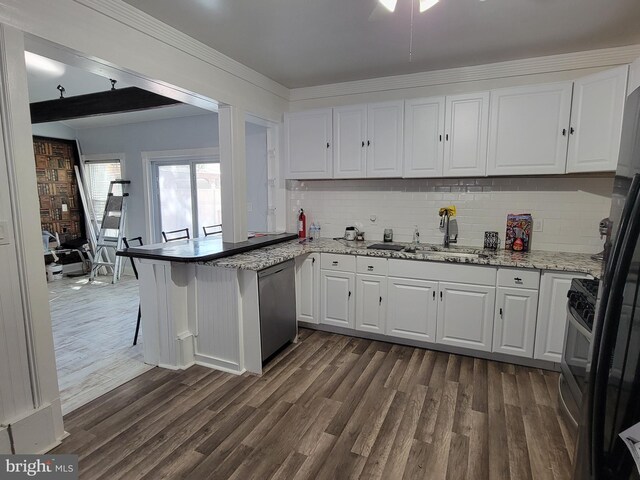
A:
(581, 308)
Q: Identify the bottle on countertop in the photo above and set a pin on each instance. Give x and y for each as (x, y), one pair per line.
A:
(416, 235)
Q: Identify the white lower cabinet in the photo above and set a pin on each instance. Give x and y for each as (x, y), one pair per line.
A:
(500, 310)
(552, 314)
(308, 288)
(465, 315)
(412, 309)
(337, 302)
(371, 303)
(514, 326)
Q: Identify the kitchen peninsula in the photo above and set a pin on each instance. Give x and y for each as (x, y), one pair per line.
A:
(200, 300)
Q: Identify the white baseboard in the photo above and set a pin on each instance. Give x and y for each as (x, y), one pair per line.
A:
(219, 364)
(186, 349)
(37, 433)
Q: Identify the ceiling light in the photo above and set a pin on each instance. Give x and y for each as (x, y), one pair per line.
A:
(389, 4)
(427, 4)
(36, 63)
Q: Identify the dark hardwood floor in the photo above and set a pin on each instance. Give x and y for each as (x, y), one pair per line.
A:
(329, 407)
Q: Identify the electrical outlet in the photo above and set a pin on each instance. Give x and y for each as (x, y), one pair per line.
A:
(249, 207)
(65, 208)
(538, 225)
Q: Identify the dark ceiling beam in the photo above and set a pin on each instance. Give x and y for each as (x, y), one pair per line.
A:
(122, 100)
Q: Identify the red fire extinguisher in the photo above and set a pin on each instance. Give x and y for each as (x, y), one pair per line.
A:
(302, 225)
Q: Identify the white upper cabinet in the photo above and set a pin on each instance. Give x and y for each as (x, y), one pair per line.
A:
(308, 141)
(350, 141)
(384, 140)
(466, 126)
(424, 137)
(528, 129)
(596, 121)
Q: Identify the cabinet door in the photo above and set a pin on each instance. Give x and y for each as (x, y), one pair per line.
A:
(596, 121)
(308, 289)
(350, 141)
(384, 150)
(307, 143)
(371, 303)
(465, 315)
(514, 326)
(412, 309)
(552, 314)
(466, 126)
(337, 302)
(423, 137)
(528, 129)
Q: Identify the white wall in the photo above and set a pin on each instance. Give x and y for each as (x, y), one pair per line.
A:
(132, 139)
(54, 130)
(570, 207)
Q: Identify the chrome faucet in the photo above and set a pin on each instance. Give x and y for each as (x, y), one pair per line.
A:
(445, 214)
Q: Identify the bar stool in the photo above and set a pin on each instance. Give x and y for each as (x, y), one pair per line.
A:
(135, 271)
(182, 234)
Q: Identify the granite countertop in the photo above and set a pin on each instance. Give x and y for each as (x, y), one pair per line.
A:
(538, 259)
(202, 249)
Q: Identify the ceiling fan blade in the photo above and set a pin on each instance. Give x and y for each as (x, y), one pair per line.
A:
(378, 13)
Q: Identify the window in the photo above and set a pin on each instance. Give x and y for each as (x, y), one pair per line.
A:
(99, 174)
(187, 195)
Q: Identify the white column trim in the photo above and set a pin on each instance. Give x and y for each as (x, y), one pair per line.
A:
(46, 427)
(233, 173)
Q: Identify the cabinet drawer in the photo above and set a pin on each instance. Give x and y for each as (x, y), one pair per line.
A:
(518, 278)
(443, 272)
(372, 265)
(343, 263)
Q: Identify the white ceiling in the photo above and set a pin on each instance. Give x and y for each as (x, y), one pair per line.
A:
(303, 42)
(44, 79)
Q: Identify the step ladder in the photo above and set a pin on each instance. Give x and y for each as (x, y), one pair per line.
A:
(109, 239)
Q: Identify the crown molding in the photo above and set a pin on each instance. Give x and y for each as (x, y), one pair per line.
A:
(529, 66)
(142, 22)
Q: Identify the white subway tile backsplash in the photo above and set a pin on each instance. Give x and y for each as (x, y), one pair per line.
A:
(571, 207)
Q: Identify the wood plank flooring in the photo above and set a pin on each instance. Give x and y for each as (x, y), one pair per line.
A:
(93, 328)
(329, 407)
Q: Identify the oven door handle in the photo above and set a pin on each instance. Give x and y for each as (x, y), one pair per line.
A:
(576, 323)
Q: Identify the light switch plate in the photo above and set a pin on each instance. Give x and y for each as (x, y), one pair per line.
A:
(4, 232)
(538, 225)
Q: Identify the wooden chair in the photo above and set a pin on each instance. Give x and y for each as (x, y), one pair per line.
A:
(212, 230)
(182, 234)
(135, 271)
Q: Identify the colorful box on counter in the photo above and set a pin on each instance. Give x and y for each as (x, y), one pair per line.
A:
(518, 233)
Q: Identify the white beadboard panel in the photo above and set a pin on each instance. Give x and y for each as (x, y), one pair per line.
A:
(5, 443)
(570, 206)
(218, 340)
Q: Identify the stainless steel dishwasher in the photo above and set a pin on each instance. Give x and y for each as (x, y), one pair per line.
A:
(277, 299)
